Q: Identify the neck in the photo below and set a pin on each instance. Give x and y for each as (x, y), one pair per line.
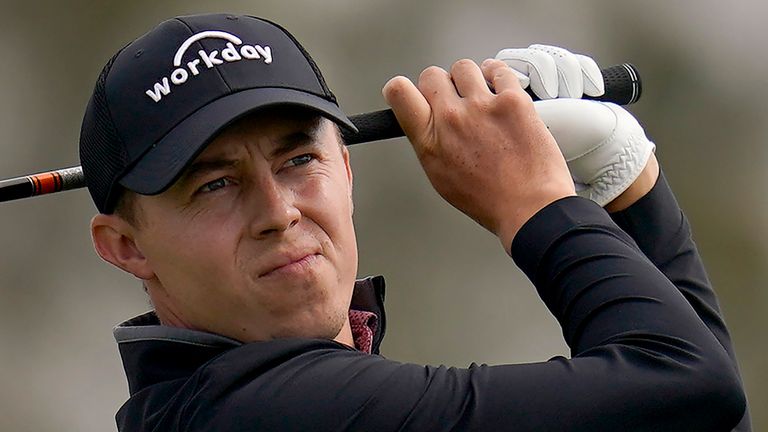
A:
(345, 335)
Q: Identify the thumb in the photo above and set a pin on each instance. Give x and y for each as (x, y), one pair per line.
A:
(411, 109)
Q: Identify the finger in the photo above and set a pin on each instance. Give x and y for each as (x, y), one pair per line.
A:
(570, 80)
(437, 87)
(538, 66)
(500, 76)
(468, 79)
(411, 108)
(592, 77)
(522, 78)
(525, 81)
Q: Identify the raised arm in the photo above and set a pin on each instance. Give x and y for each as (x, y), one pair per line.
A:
(663, 233)
(633, 336)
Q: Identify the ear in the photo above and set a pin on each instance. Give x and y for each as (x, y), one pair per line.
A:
(348, 167)
(113, 239)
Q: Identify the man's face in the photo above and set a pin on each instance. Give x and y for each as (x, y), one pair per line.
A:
(255, 241)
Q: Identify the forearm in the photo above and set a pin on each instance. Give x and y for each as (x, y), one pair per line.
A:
(609, 300)
(649, 213)
(663, 233)
(588, 253)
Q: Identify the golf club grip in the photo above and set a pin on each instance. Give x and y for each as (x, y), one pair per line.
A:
(622, 87)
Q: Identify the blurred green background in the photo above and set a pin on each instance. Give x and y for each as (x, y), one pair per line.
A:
(454, 297)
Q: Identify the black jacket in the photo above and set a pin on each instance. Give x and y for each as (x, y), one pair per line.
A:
(649, 350)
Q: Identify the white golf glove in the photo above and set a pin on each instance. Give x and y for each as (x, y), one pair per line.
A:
(605, 147)
(554, 72)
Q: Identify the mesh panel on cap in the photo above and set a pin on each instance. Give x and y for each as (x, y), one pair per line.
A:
(102, 153)
(311, 62)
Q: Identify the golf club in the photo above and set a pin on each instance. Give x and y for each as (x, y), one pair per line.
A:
(622, 86)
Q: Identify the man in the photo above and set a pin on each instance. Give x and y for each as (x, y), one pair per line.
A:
(211, 147)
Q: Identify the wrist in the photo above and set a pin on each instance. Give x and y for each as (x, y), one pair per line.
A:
(638, 189)
(517, 218)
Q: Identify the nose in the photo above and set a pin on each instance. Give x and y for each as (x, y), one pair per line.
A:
(273, 208)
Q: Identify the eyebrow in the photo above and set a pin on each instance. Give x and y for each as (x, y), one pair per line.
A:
(294, 140)
(202, 167)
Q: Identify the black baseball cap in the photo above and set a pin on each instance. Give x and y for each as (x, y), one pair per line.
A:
(162, 98)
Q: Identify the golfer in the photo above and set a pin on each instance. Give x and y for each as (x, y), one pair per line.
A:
(212, 149)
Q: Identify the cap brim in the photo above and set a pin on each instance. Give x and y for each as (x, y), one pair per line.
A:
(162, 165)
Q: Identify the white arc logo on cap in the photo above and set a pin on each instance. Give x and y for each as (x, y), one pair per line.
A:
(230, 54)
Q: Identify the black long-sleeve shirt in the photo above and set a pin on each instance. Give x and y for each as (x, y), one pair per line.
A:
(649, 351)
(663, 234)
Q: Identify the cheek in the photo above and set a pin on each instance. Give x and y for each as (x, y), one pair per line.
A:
(328, 205)
(186, 254)
(326, 199)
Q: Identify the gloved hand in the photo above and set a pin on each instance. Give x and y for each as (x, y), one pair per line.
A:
(605, 147)
(554, 72)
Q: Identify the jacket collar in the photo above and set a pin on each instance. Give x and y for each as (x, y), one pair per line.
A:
(153, 352)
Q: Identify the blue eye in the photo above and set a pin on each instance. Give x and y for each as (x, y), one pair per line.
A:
(214, 185)
(300, 160)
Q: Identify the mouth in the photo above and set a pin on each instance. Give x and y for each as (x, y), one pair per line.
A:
(295, 265)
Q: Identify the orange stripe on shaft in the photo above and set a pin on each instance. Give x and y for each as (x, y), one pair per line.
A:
(46, 183)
